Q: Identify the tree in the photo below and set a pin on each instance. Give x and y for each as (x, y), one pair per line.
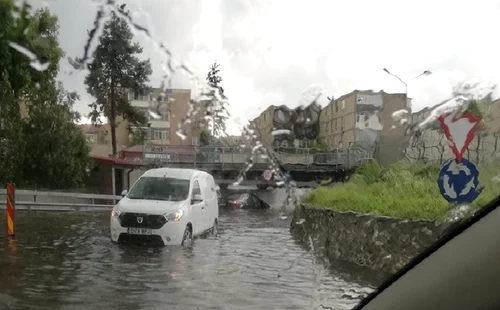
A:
(45, 148)
(138, 136)
(205, 138)
(58, 154)
(319, 145)
(217, 105)
(114, 71)
(29, 56)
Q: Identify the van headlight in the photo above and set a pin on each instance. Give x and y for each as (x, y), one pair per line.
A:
(174, 216)
(115, 212)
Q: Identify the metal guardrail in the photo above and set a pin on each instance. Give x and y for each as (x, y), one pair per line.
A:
(57, 201)
(351, 157)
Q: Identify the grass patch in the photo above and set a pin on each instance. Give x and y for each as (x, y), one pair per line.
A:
(402, 190)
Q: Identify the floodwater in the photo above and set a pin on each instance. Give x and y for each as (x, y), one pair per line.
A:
(67, 261)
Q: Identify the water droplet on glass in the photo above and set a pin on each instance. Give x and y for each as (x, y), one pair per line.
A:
(181, 134)
(281, 132)
(35, 62)
(154, 114)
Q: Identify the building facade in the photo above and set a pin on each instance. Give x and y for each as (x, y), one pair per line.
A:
(362, 119)
(263, 126)
(99, 137)
(431, 145)
(171, 122)
(165, 112)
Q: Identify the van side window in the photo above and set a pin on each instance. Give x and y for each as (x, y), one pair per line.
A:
(196, 189)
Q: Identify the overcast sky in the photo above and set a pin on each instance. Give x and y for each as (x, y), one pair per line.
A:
(271, 52)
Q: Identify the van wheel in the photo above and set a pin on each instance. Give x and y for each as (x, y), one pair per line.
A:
(187, 238)
(215, 228)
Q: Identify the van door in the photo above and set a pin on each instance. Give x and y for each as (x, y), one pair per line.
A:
(211, 210)
(197, 208)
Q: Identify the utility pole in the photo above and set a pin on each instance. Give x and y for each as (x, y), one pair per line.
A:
(425, 73)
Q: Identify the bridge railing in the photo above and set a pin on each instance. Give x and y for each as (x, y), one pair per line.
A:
(58, 201)
(236, 155)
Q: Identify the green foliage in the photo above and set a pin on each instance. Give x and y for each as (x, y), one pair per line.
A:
(57, 152)
(205, 138)
(473, 107)
(217, 105)
(402, 190)
(114, 71)
(138, 137)
(319, 145)
(46, 149)
(11, 135)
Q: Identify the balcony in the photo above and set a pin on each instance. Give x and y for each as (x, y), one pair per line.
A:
(138, 103)
(159, 123)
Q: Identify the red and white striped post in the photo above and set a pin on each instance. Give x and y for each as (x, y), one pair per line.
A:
(11, 208)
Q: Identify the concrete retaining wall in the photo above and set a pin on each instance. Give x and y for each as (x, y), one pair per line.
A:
(379, 243)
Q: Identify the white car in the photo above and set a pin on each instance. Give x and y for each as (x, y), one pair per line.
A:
(167, 205)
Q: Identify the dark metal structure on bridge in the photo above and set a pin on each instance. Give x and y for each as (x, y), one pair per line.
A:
(295, 124)
(225, 163)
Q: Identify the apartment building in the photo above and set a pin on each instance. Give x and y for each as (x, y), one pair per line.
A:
(364, 119)
(99, 137)
(263, 125)
(166, 112)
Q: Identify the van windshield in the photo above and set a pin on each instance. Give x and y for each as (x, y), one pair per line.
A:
(160, 188)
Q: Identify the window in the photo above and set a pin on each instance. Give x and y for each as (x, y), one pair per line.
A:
(196, 141)
(160, 134)
(331, 126)
(326, 127)
(159, 188)
(336, 107)
(145, 131)
(132, 95)
(360, 117)
(196, 189)
(91, 137)
(343, 104)
(158, 116)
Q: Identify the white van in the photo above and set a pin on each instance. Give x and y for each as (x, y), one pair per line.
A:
(167, 205)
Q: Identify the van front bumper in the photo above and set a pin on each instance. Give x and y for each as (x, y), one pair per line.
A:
(169, 234)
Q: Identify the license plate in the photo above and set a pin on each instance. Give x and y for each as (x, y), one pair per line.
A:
(139, 231)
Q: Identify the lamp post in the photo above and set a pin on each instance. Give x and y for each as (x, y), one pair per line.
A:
(425, 73)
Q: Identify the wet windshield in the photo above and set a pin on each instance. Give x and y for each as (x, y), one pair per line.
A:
(369, 128)
(155, 188)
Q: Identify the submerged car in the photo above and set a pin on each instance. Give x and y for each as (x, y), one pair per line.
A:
(167, 206)
(245, 201)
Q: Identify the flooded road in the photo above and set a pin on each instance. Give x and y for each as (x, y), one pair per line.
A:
(67, 261)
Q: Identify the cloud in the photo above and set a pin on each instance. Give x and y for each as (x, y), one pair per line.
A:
(271, 51)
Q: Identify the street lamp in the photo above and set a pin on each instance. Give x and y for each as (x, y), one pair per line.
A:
(425, 73)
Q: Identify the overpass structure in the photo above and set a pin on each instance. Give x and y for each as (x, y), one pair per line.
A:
(227, 163)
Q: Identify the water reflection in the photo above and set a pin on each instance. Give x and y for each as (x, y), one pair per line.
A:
(66, 261)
